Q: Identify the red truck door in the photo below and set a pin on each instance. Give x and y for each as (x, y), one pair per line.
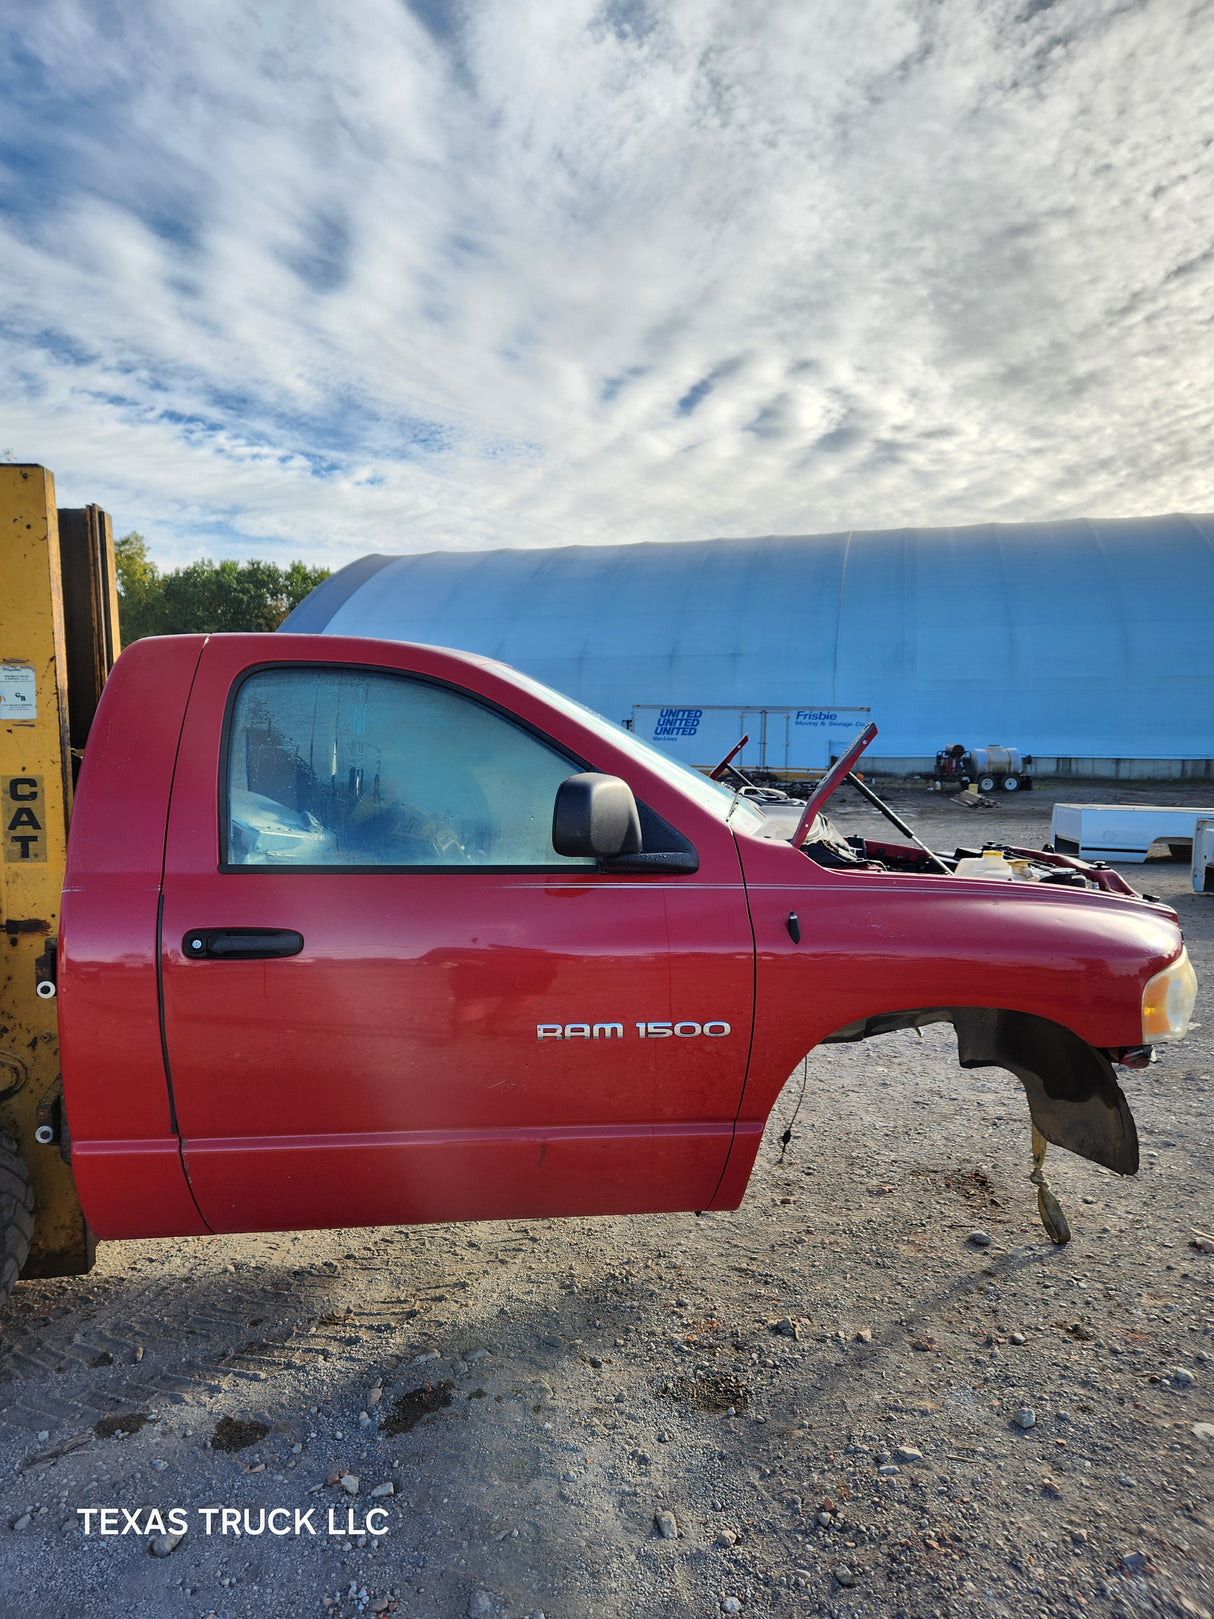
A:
(387, 999)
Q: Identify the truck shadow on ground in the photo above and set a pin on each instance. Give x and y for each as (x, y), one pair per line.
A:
(549, 1430)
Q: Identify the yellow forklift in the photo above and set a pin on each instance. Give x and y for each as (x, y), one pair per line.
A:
(58, 642)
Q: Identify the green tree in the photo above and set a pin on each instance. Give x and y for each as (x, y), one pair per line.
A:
(205, 597)
(139, 588)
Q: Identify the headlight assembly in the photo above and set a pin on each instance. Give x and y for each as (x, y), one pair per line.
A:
(1167, 1001)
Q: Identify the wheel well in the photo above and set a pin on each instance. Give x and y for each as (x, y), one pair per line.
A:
(1072, 1091)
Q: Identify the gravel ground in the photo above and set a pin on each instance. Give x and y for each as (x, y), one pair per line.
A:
(805, 1407)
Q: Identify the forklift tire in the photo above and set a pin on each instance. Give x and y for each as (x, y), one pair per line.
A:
(16, 1213)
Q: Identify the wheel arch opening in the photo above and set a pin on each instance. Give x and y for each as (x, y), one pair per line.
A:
(1072, 1090)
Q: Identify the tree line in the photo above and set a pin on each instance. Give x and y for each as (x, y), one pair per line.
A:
(204, 597)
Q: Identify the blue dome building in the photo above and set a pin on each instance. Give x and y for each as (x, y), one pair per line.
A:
(1089, 644)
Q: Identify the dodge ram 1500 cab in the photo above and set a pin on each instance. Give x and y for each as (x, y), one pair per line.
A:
(361, 932)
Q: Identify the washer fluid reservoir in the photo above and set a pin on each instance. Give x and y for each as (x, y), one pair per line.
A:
(990, 863)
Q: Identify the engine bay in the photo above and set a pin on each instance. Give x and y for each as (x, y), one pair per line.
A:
(826, 845)
(805, 824)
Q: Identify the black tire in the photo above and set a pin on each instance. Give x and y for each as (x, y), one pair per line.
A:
(1011, 784)
(986, 784)
(16, 1213)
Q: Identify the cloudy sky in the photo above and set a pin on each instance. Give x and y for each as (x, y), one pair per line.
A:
(315, 280)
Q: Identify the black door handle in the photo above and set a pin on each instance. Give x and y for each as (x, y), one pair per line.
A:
(241, 944)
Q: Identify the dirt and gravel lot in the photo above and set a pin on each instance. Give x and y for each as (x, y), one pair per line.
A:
(815, 1397)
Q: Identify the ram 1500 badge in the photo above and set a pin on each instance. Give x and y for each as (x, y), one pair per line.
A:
(685, 1030)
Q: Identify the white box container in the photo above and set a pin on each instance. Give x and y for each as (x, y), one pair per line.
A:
(1121, 833)
(1203, 857)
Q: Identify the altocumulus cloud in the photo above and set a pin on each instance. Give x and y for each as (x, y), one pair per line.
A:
(417, 273)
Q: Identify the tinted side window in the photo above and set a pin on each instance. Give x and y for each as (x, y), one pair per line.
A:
(345, 767)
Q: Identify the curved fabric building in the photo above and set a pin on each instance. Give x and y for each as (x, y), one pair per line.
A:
(1087, 644)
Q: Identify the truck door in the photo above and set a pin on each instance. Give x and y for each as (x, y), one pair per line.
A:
(387, 999)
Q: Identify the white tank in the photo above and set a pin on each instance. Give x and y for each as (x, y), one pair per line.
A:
(994, 760)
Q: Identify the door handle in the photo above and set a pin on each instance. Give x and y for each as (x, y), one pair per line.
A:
(240, 944)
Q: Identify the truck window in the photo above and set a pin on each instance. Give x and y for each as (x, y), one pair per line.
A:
(719, 801)
(347, 767)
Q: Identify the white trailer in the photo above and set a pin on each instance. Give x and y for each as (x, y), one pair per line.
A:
(786, 744)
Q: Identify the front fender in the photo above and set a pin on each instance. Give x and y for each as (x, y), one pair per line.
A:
(1041, 982)
(868, 943)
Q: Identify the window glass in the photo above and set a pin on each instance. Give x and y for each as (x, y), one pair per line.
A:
(345, 767)
(720, 801)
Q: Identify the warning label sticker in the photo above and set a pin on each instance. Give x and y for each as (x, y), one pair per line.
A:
(18, 693)
(22, 816)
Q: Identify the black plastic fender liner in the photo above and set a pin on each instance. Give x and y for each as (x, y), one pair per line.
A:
(1073, 1093)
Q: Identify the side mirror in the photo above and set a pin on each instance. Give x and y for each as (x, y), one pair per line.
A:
(595, 817)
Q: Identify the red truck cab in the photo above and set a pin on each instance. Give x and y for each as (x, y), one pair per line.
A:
(361, 932)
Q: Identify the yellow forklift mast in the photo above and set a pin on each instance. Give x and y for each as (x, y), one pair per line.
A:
(58, 642)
